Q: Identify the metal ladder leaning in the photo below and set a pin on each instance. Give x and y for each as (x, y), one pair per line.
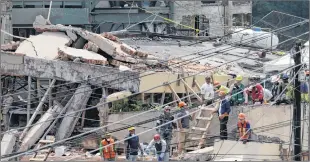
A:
(42, 154)
(198, 133)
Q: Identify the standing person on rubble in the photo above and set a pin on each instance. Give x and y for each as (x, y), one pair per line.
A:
(287, 89)
(132, 145)
(244, 128)
(162, 152)
(223, 111)
(165, 131)
(207, 91)
(236, 89)
(183, 125)
(107, 148)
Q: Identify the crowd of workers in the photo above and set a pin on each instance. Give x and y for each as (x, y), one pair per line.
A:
(226, 96)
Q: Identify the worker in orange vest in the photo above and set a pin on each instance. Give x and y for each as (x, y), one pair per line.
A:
(108, 148)
(244, 128)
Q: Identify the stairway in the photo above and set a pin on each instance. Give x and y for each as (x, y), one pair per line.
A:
(42, 155)
(198, 133)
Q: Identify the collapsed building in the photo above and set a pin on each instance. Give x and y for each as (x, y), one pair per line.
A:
(66, 69)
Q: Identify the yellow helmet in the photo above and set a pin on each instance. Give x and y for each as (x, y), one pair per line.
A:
(131, 128)
(239, 78)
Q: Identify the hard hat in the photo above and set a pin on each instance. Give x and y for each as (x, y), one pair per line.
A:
(131, 128)
(239, 78)
(284, 76)
(216, 83)
(107, 134)
(167, 108)
(241, 116)
(274, 79)
(181, 104)
(156, 137)
(222, 93)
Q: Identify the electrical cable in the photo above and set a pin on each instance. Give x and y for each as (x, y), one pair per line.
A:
(79, 111)
(49, 145)
(264, 113)
(149, 73)
(180, 56)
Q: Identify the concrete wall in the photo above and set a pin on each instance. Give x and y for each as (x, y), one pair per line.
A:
(146, 137)
(213, 12)
(69, 71)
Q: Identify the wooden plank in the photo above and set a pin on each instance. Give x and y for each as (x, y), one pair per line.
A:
(204, 135)
(197, 96)
(174, 93)
(197, 85)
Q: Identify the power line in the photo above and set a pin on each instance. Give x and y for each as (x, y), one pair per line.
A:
(49, 145)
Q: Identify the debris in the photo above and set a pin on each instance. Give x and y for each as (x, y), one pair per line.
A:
(8, 142)
(60, 151)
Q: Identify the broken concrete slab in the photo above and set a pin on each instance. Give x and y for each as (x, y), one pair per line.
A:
(112, 48)
(80, 99)
(12, 46)
(19, 65)
(199, 155)
(72, 35)
(35, 133)
(84, 55)
(44, 45)
(8, 142)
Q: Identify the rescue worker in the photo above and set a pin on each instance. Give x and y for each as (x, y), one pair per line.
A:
(223, 111)
(107, 147)
(165, 131)
(132, 145)
(183, 125)
(219, 87)
(257, 93)
(304, 89)
(244, 128)
(287, 95)
(275, 86)
(207, 91)
(161, 147)
(267, 95)
(236, 89)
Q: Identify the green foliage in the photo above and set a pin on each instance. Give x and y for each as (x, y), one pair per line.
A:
(128, 105)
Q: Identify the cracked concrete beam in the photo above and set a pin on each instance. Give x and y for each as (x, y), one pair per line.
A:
(12, 46)
(8, 142)
(68, 123)
(38, 130)
(18, 65)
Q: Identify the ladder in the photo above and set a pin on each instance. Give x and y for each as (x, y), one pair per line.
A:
(42, 155)
(198, 133)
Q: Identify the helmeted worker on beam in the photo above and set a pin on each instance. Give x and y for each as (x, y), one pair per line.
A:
(107, 148)
(183, 125)
(244, 128)
(219, 87)
(162, 152)
(285, 90)
(237, 88)
(165, 131)
(132, 145)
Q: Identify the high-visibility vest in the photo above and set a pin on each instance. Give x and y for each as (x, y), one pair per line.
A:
(108, 152)
(240, 125)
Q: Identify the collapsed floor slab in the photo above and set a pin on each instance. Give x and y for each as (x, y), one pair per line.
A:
(20, 65)
(37, 130)
(68, 123)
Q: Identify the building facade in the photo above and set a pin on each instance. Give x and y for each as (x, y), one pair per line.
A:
(179, 17)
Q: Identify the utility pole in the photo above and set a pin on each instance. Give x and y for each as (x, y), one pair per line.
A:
(297, 105)
(0, 71)
(309, 89)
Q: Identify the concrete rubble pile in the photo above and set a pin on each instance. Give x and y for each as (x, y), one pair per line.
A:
(66, 43)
